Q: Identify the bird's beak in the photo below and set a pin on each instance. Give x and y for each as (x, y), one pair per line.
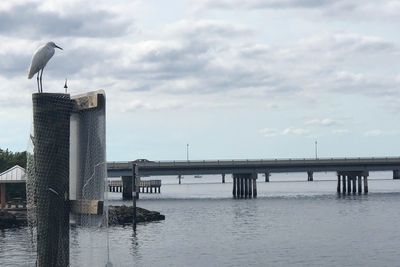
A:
(58, 47)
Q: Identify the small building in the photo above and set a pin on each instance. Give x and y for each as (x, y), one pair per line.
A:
(12, 181)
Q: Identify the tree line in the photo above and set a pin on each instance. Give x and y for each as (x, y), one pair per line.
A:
(9, 159)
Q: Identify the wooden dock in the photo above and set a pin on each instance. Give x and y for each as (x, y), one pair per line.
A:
(147, 186)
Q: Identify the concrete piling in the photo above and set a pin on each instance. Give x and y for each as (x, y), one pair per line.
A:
(250, 188)
(349, 178)
(310, 175)
(267, 175)
(365, 184)
(338, 183)
(359, 184)
(234, 187)
(354, 184)
(344, 183)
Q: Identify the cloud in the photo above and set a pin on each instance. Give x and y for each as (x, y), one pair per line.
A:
(295, 131)
(379, 132)
(31, 21)
(340, 131)
(344, 9)
(268, 132)
(321, 122)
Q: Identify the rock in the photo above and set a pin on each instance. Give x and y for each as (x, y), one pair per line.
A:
(124, 215)
(9, 220)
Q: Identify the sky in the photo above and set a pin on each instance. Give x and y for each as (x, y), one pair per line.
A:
(233, 79)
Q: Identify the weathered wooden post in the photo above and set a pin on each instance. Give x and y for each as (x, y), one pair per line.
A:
(223, 178)
(179, 177)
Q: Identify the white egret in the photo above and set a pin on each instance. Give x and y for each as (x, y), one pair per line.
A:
(39, 60)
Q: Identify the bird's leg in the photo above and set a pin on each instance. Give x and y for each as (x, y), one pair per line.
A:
(37, 79)
(41, 85)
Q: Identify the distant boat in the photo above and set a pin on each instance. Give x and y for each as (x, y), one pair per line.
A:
(198, 176)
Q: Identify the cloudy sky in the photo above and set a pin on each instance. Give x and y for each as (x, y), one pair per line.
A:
(233, 78)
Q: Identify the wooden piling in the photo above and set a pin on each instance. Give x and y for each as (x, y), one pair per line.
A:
(179, 177)
(310, 175)
(354, 184)
(338, 183)
(359, 184)
(223, 178)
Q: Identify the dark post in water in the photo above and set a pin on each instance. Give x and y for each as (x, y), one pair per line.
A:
(134, 177)
(51, 119)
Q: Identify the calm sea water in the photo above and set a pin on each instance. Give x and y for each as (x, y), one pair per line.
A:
(291, 223)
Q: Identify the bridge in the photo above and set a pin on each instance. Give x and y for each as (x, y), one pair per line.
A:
(352, 173)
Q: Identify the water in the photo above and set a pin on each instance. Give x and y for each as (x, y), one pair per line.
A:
(290, 224)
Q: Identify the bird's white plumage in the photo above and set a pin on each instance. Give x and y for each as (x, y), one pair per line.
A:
(40, 58)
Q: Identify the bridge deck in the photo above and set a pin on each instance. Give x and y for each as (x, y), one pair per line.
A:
(117, 169)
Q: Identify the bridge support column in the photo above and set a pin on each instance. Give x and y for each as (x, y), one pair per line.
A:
(338, 183)
(354, 179)
(180, 177)
(354, 184)
(267, 175)
(246, 187)
(310, 175)
(234, 187)
(254, 181)
(250, 188)
(349, 178)
(396, 174)
(366, 184)
(223, 178)
(241, 185)
(344, 177)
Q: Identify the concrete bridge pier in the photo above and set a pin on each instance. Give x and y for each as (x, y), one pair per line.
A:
(354, 181)
(267, 175)
(396, 174)
(223, 178)
(243, 185)
(366, 184)
(310, 175)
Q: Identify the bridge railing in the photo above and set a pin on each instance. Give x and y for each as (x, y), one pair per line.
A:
(320, 160)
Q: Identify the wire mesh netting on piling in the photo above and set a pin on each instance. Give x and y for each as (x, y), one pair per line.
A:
(48, 183)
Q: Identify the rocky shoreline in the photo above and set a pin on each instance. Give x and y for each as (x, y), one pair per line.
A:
(118, 215)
